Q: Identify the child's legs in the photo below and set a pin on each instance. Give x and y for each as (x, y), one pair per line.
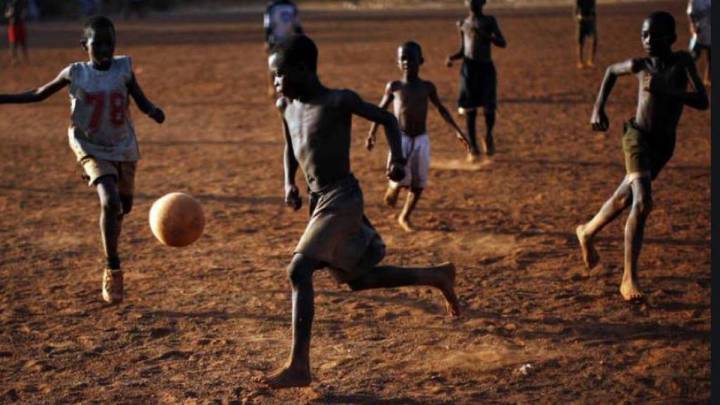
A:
(610, 210)
(635, 226)
(470, 120)
(300, 273)
(110, 218)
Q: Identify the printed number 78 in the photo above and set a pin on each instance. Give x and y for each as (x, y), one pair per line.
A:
(118, 105)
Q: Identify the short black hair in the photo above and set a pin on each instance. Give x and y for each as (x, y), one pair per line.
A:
(298, 50)
(665, 19)
(413, 45)
(97, 23)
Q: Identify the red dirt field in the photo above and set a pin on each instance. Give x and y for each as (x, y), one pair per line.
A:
(199, 323)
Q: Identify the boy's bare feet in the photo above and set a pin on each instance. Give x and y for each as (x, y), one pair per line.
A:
(391, 196)
(630, 289)
(472, 157)
(447, 286)
(580, 65)
(591, 64)
(112, 286)
(589, 254)
(288, 377)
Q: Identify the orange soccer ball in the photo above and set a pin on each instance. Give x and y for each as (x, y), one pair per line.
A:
(177, 219)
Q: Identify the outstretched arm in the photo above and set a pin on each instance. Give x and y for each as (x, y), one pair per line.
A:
(384, 103)
(373, 113)
(497, 37)
(445, 114)
(143, 103)
(39, 94)
(697, 98)
(459, 54)
(599, 119)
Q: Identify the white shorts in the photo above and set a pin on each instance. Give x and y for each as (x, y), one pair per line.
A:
(417, 152)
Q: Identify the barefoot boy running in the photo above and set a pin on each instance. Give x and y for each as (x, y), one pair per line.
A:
(317, 122)
(101, 133)
(410, 98)
(478, 78)
(649, 138)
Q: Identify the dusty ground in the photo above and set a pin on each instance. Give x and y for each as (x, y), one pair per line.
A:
(199, 322)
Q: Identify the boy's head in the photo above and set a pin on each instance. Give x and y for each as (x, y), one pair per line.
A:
(475, 5)
(99, 40)
(658, 33)
(294, 64)
(410, 57)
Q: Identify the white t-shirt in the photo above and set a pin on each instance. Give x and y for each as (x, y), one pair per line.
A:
(699, 12)
(100, 119)
(281, 19)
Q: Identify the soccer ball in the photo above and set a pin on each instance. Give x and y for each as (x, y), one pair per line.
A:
(177, 219)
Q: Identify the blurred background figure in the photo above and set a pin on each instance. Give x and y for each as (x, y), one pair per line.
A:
(33, 11)
(89, 7)
(699, 14)
(16, 13)
(586, 27)
(281, 20)
(136, 7)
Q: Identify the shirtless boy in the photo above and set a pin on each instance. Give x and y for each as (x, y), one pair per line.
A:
(101, 133)
(316, 124)
(478, 78)
(410, 97)
(649, 139)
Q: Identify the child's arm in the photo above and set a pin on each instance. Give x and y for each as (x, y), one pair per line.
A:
(497, 37)
(143, 103)
(384, 103)
(290, 165)
(39, 94)
(435, 100)
(697, 98)
(358, 106)
(599, 119)
(459, 54)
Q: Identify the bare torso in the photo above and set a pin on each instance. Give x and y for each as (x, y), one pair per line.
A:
(410, 104)
(477, 33)
(659, 113)
(320, 134)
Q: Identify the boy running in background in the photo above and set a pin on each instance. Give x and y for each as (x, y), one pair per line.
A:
(16, 12)
(478, 78)
(649, 139)
(316, 123)
(410, 97)
(586, 26)
(101, 133)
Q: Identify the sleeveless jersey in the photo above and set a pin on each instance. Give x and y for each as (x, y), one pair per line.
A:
(100, 119)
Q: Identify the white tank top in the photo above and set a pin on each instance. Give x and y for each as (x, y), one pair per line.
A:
(282, 20)
(100, 119)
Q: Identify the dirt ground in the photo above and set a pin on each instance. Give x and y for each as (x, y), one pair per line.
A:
(199, 322)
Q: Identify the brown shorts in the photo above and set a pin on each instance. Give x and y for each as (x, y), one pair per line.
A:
(124, 173)
(644, 152)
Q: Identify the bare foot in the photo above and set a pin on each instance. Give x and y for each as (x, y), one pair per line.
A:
(630, 290)
(589, 254)
(391, 196)
(472, 157)
(405, 224)
(286, 378)
(447, 286)
(590, 64)
(580, 65)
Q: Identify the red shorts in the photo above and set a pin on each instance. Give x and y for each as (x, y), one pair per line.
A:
(16, 33)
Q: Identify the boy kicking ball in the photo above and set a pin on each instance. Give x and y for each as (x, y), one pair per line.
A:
(101, 133)
(317, 122)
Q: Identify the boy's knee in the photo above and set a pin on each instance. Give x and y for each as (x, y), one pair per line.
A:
(643, 205)
(300, 269)
(112, 205)
(127, 203)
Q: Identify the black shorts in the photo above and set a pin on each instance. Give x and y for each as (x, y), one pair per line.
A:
(585, 28)
(478, 85)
